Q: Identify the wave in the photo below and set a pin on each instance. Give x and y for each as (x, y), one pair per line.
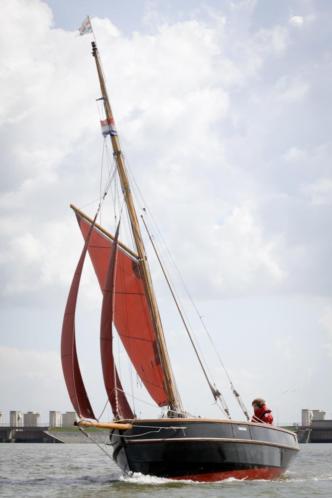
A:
(143, 479)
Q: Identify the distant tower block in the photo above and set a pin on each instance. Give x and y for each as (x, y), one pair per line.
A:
(55, 419)
(318, 415)
(68, 419)
(309, 415)
(15, 418)
(1, 418)
(306, 417)
(31, 419)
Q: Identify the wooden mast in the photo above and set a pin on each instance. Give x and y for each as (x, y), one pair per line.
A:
(174, 398)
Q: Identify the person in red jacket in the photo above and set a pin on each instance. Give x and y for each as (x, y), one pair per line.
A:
(261, 412)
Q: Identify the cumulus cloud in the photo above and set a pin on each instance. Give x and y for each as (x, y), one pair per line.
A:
(190, 121)
(294, 154)
(320, 191)
(296, 20)
(291, 90)
(185, 131)
(233, 251)
(49, 138)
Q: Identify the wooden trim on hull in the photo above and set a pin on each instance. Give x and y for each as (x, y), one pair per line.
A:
(266, 473)
(208, 440)
(199, 421)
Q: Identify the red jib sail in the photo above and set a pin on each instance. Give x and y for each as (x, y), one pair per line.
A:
(70, 365)
(115, 393)
(132, 315)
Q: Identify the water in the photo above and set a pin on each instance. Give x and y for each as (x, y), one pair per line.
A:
(82, 471)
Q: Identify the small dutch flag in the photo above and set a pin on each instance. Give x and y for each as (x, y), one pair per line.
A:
(108, 127)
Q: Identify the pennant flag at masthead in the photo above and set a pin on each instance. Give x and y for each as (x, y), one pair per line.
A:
(86, 26)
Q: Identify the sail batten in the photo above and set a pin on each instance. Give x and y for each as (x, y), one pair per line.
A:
(131, 314)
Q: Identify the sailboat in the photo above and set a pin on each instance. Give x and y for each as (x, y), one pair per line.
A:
(175, 445)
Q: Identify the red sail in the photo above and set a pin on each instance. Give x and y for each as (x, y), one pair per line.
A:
(70, 366)
(132, 316)
(115, 393)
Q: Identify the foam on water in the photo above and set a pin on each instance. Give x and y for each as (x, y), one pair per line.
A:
(138, 478)
(289, 476)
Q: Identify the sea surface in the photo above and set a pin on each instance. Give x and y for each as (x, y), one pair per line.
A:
(83, 470)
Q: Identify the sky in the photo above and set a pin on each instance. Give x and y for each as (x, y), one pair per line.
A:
(224, 114)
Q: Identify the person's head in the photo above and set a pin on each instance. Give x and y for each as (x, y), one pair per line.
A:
(258, 403)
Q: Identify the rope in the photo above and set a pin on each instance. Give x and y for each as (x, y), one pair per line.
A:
(103, 410)
(139, 399)
(156, 431)
(215, 392)
(257, 419)
(132, 386)
(136, 435)
(101, 172)
(234, 391)
(96, 443)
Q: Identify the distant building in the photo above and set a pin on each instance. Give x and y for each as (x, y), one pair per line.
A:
(31, 419)
(318, 415)
(15, 418)
(1, 418)
(308, 416)
(55, 419)
(68, 419)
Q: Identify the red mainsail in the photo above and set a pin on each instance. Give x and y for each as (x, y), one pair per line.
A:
(70, 365)
(132, 316)
(115, 393)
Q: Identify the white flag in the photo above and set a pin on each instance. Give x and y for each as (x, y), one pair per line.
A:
(85, 27)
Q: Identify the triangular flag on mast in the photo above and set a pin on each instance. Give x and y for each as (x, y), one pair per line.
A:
(86, 26)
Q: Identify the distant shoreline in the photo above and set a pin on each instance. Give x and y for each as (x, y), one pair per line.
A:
(57, 435)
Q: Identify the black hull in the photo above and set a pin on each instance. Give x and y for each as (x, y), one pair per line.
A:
(204, 450)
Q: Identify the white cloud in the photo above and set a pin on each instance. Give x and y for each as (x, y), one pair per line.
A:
(244, 261)
(320, 192)
(37, 257)
(291, 89)
(180, 116)
(303, 21)
(296, 20)
(294, 154)
(53, 135)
